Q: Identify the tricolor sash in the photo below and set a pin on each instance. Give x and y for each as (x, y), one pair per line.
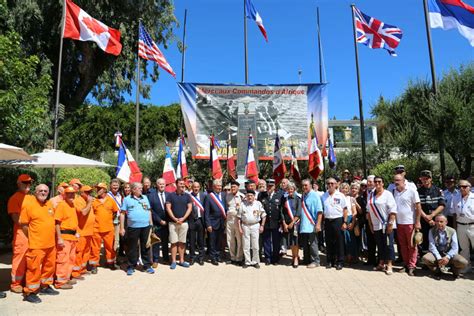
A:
(375, 209)
(289, 210)
(306, 212)
(118, 200)
(218, 201)
(197, 203)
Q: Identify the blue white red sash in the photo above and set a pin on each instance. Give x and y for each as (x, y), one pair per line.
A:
(218, 201)
(197, 203)
(375, 209)
(308, 215)
(118, 199)
(289, 210)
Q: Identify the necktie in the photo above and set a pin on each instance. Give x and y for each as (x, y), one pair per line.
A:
(162, 200)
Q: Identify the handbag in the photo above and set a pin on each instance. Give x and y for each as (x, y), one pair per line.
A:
(152, 239)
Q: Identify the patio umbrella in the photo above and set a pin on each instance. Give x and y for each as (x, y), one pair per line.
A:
(8, 152)
(59, 159)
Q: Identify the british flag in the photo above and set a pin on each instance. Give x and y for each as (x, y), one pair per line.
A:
(376, 34)
(147, 49)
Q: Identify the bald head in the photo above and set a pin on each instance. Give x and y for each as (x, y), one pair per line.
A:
(41, 192)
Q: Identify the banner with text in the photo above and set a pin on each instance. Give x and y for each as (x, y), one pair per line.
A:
(261, 109)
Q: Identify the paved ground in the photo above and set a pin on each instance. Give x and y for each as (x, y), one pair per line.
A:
(231, 290)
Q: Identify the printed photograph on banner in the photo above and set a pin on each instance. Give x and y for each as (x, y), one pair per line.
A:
(224, 109)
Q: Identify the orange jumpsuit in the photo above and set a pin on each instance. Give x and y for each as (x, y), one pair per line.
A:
(86, 231)
(104, 229)
(66, 215)
(20, 242)
(41, 254)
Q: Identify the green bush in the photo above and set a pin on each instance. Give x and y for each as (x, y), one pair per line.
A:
(412, 167)
(89, 176)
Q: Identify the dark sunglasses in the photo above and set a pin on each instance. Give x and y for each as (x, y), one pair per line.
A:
(464, 186)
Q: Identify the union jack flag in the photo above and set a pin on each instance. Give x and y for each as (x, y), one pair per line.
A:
(376, 34)
(147, 49)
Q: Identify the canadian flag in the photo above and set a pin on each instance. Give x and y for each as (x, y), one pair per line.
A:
(168, 172)
(79, 25)
(251, 172)
(127, 168)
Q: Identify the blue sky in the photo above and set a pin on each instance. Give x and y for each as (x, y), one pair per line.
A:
(215, 51)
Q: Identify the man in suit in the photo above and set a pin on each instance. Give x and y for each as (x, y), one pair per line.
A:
(196, 225)
(157, 200)
(214, 215)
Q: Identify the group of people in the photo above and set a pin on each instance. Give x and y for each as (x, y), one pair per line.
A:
(59, 241)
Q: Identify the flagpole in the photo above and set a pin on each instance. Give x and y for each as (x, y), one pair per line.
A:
(137, 105)
(58, 84)
(245, 44)
(361, 111)
(321, 81)
(441, 145)
(183, 55)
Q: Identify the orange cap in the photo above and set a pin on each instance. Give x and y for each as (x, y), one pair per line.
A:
(63, 185)
(24, 178)
(69, 190)
(101, 185)
(86, 188)
(75, 181)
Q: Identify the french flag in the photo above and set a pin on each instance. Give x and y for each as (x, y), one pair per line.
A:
(279, 168)
(216, 169)
(252, 14)
(168, 172)
(182, 169)
(127, 168)
(452, 14)
(251, 172)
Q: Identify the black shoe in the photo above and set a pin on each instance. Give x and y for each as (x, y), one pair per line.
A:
(214, 262)
(3, 294)
(48, 291)
(339, 266)
(267, 263)
(32, 298)
(328, 265)
(191, 262)
(245, 266)
(220, 260)
(257, 266)
(94, 270)
(201, 262)
(113, 266)
(229, 262)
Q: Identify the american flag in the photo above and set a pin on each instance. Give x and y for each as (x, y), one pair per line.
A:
(376, 34)
(147, 49)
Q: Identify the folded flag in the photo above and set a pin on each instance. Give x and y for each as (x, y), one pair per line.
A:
(252, 14)
(376, 34)
(279, 168)
(452, 14)
(127, 168)
(251, 171)
(79, 25)
(147, 49)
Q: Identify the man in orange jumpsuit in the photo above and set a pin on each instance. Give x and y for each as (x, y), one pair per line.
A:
(105, 209)
(61, 195)
(20, 241)
(67, 227)
(37, 223)
(86, 220)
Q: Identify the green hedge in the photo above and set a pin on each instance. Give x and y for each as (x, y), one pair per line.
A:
(412, 167)
(89, 176)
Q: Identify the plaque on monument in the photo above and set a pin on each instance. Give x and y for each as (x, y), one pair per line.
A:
(246, 122)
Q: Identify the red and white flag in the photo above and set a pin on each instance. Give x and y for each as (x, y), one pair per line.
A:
(251, 171)
(279, 168)
(79, 25)
(168, 173)
(127, 168)
(316, 162)
(294, 170)
(182, 169)
(216, 170)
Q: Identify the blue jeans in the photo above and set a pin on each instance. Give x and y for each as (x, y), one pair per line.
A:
(384, 245)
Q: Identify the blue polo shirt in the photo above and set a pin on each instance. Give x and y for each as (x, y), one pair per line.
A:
(314, 206)
(138, 211)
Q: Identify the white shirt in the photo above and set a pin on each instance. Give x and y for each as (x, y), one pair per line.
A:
(251, 213)
(464, 208)
(233, 205)
(448, 197)
(385, 204)
(408, 185)
(406, 206)
(334, 205)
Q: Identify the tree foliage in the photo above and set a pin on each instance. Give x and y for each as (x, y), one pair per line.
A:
(89, 176)
(25, 84)
(418, 121)
(85, 67)
(90, 130)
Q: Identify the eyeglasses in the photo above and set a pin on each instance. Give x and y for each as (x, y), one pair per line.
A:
(331, 183)
(43, 190)
(378, 181)
(464, 186)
